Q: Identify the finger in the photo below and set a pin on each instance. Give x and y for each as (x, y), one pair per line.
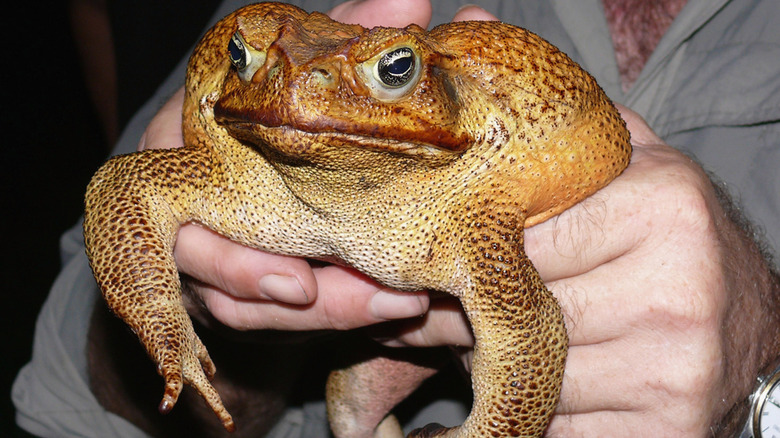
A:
(641, 133)
(587, 235)
(473, 13)
(621, 383)
(244, 272)
(588, 389)
(347, 300)
(164, 130)
(371, 13)
(604, 423)
(670, 383)
(445, 323)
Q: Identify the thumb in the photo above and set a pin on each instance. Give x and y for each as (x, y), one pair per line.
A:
(641, 133)
(370, 13)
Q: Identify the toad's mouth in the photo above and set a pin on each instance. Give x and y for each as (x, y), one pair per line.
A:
(295, 142)
(283, 129)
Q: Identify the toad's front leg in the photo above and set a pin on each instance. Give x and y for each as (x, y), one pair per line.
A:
(521, 340)
(134, 207)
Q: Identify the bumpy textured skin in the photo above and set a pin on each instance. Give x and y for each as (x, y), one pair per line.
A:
(430, 190)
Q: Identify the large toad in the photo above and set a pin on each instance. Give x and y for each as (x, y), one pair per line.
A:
(416, 157)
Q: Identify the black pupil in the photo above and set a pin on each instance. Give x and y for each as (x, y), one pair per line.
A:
(237, 55)
(396, 67)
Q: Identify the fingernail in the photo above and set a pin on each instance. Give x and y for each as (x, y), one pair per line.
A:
(473, 12)
(395, 305)
(283, 288)
(467, 6)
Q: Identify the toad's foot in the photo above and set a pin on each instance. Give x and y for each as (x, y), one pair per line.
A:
(196, 369)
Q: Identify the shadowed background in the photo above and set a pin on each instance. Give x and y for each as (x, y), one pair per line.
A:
(54, 138)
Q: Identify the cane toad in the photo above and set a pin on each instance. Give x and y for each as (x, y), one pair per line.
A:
(416, 157)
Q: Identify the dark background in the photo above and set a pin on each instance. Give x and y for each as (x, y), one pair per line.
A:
(53, 139)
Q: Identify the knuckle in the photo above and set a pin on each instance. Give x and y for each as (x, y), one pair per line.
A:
(335, 312)
(683, 200)
(690, 284)
(692, 311)
(691, 377)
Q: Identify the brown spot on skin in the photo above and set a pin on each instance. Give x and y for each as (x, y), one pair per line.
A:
(427, 190)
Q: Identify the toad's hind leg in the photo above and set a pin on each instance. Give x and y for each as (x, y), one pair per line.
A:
(135, 205)
(520, 338)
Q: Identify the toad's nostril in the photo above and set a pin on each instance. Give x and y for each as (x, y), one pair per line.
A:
(327, 75)
(323, 74)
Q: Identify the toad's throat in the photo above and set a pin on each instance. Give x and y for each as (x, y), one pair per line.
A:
(373, 133)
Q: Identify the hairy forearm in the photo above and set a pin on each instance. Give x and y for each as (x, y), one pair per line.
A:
(751, 323)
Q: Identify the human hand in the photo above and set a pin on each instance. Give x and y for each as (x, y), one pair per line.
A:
(662, 293)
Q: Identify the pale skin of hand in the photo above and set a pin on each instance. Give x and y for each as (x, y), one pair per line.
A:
(645, 271)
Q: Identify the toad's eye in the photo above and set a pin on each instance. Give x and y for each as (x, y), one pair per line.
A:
(246, 59)
(392, 74)
(396, 68)
(239, 55)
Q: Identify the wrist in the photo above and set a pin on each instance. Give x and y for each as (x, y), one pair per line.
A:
(764, 414)
(739, 421)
